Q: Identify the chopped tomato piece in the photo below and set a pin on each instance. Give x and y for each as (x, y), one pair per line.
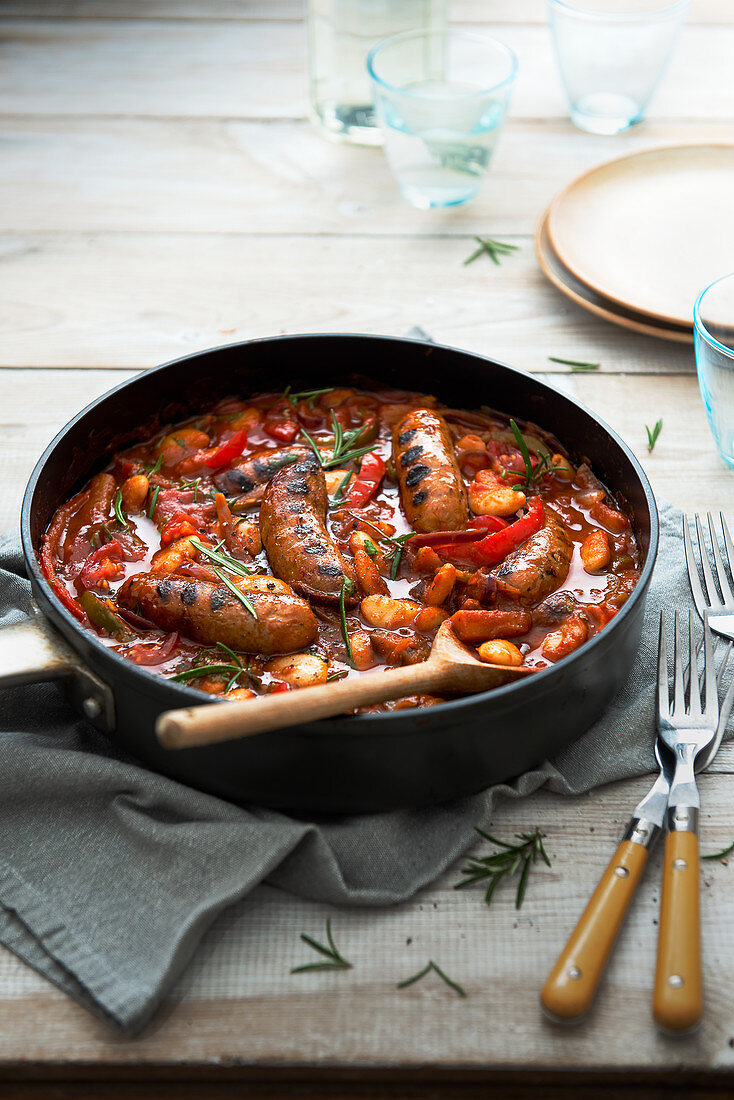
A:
(227, 452)
(179, 526)
(151, 653)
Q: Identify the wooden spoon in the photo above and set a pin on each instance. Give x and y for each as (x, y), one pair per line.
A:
(451, 666)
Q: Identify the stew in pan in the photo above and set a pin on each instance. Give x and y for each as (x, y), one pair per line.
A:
(295, 538)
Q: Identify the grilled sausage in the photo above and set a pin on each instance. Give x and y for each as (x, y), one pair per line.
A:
(249, 476)
(541, 564)
(293, 530)
(210, 613)
(431, 487)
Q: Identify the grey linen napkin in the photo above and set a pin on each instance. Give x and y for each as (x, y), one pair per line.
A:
(110, 874)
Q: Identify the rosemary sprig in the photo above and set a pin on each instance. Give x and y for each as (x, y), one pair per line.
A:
(397, 542)
(224, 561)
(344, 449)
(722, 854)
(339, 675)
(575, 364)
(154, 469)
(216, 668)
(192, 485)
(117, 508)
(338, 496)
(245, 600)
(237, 660)
(336, 960)
(533, 475)
(511, 859)
(347, 589)
(493, 249)
(307, 395)
(153, 500)
(652, 435)
(431, 965)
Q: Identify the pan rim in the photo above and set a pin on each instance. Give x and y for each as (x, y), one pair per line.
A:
(386, 720)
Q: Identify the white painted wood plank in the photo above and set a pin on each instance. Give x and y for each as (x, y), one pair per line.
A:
(202, 175)
(461, 11)
(228, 70)
(238, 1003)
(133, 300)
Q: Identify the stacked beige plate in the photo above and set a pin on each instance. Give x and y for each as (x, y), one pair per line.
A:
(637, 239)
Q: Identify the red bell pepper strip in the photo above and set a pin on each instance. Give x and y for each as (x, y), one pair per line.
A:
(495, 547)
(472, 533)
(367, 482)
(228, 451)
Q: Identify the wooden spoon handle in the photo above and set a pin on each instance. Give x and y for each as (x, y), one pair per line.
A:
(183, 729)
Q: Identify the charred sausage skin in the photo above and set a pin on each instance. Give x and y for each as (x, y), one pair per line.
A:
(541, 564)
(247, 478)
(432, 490)
(294, 535)
(210, 613)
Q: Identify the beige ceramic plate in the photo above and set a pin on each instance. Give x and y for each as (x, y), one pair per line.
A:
(649, 231)
(583, 296)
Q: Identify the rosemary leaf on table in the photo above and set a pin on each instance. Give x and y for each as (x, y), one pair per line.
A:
(576, 365)
(431, 965)
(494, 249)
(653, 433)
(511, 859)
(720, 855)
(334, 959)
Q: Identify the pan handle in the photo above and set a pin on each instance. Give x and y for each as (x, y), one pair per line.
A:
(31, 651)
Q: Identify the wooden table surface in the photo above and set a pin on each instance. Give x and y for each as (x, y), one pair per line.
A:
(163, 191)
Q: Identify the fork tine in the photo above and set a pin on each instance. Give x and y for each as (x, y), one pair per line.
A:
(679, 690)
(728, 545)
(710, 679)
(697, 592)
(714, 599)
(694, 682)
(726, 591)
(663, 694)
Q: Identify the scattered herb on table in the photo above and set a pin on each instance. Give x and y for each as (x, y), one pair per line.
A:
(431, 965)
(347, 589)
(344, 449)
(576, 365)
(722, 854)
(494, 249)
(652, 435)
(507, 862)
(533, 474)
(117, 507)
(335, 960)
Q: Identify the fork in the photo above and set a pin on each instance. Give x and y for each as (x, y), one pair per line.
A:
(718, 601)
(685, 728)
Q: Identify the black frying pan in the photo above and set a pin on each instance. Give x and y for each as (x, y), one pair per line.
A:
(349, 764)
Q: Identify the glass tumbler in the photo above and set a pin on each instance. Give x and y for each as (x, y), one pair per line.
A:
(611, 55)
(441, 99)
(713, 335)
(340, 34)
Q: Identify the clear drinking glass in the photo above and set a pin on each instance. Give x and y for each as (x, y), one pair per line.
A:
(612, 55)
(441, 99)
(713, 334)
(340, 35)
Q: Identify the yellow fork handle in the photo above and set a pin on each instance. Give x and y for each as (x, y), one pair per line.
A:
(572, 983)
(678, 996)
